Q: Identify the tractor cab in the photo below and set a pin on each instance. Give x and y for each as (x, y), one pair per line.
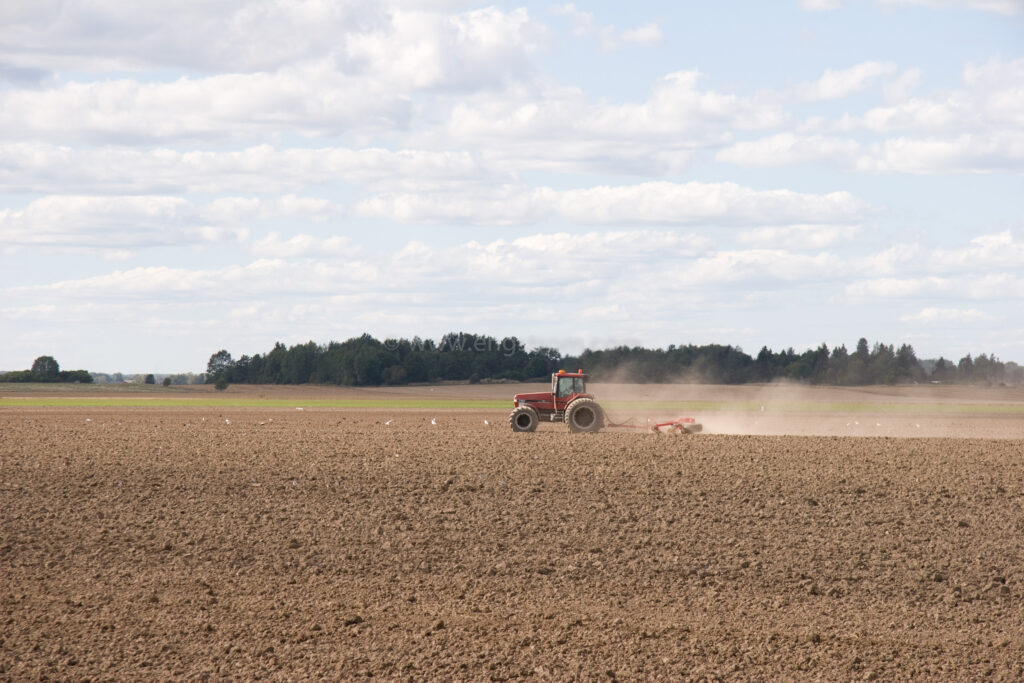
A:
(565, 384)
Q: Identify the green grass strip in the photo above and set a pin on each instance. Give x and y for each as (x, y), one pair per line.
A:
(219, 402)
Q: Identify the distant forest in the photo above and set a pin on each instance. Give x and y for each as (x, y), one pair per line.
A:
(459, 356)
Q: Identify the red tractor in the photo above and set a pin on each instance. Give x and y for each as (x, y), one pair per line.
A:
(567, 401)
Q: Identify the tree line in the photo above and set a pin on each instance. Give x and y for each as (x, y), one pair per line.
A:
(46, 369)
(460, 356)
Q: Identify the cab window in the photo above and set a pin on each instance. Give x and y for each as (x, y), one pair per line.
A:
(565, 386)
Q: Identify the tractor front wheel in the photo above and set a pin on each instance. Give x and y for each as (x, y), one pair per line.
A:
(524, 419)
(584, 416)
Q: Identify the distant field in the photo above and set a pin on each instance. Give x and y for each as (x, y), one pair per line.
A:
(924, 400)
(483, 404)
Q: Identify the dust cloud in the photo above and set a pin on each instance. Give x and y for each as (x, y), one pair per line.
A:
(791, 409)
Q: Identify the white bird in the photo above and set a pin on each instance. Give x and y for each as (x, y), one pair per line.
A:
(388, 422)
(227, 422)
(486, 422)
(433, 421)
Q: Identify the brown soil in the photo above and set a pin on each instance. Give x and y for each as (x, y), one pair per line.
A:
(149, 543)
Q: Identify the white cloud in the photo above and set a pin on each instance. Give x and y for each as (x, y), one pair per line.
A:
(932, 315)
(788, 149)
(992, 287)
(585, 266)
(758, 265)
(562, 129)
(1005, 7)
(1000, 151)
(642, 204)
(610, 37)
(324, 71)
(36, 312)
(372, 39)
(44, 168)
(273, 246)
(429, 50)
(974, 129)
(250, 36)
(898, 89)
(648, 34)
(798, 237)
(984, 254)
(721, 203)
(988, 268)
(992, 99)
(895, 259)
(114, 222)
(820, 5)
(263, 277)
(313, 99)
(836, 84)
(582, 22)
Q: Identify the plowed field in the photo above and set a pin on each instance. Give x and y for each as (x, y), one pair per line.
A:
(217, 543)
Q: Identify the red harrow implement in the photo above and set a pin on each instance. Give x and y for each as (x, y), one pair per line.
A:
(680, 425)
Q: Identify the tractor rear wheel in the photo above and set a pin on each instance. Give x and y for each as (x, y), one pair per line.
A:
(523, 419)
(584, 416)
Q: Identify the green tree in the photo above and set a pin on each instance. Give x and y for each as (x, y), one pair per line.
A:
(944, 371)
(150, 379)
(965, 369)
(908, 369)
(220, 364)
(45, 369)
(80, 376)
(167, 381)
(221, 384)
(862, 354)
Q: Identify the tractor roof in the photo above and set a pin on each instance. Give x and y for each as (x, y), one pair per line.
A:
(563, 373)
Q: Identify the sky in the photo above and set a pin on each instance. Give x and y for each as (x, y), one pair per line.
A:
(179, 177)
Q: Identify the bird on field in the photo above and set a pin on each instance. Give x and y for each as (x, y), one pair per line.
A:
(227, 421)
(387, 423)
(433, 421)
(486, 422)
